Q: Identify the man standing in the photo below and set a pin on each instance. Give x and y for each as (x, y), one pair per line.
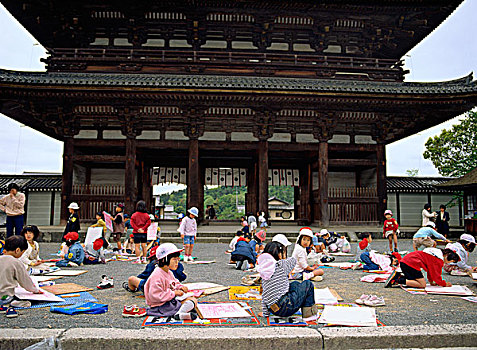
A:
(13, 205)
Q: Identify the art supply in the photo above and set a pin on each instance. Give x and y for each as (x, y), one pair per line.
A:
(349, 316)
(75, 295)
(83, 308)
(198, 262)
(222, 310)
(23, 294)
(201, 285)
(152, 231)
(324, 296)
(244, 293)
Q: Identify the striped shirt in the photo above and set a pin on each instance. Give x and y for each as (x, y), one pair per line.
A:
(278, 285)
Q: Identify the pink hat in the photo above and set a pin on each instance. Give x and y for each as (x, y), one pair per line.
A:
(261, 235)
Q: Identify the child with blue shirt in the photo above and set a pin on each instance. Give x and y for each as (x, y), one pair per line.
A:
(244, 254)
(136, 283)
(75, 255)
(424, 234)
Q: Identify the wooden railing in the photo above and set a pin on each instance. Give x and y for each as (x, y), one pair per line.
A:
(140, 57)
(96, 198)
(353, 204)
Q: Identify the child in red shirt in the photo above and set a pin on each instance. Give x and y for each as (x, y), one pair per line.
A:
(390, 230)
(140, 221)
(430, 260)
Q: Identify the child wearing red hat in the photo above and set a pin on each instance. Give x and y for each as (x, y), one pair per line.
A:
(75, 255)
(94, 252)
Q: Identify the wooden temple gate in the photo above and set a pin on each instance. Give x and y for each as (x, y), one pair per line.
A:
(316, 87)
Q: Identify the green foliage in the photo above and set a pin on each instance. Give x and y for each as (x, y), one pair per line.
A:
(454, 151)
(224, 199)
(412, 172)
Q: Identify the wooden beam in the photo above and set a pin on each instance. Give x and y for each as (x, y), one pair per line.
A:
(102, 158)
(332, 147)
(381, 180)
(130, 175)
(263, 176)
(193, 178)
(98, 198)
(67, 178)
(333, 162)
(99, 143)
(323, 182)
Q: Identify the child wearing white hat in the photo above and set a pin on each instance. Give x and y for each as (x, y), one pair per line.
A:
(188, 230)
(302, 270)
(163, 291)
(464, 246)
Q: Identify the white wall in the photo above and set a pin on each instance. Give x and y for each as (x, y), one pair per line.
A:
(38, 208)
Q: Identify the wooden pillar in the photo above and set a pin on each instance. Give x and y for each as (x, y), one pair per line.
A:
(251, 198)
(67, 178)
(305, 195)
(263, 176)
(296, 201)
(130, 175)
(381, 180)
(194, 187)
(147, 186)
(323, 182)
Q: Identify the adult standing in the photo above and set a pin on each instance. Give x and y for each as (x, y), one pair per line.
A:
(73, 224)
(212, 214)
(442, 221)
(13, 205)
(427, 215)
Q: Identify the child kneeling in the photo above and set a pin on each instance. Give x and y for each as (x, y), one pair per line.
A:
(279, 296)
(75, 255)
(163, 291)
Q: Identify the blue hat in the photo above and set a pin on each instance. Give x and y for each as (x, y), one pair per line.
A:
(194, 211)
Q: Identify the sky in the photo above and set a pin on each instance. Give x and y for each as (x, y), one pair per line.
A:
(449, 52)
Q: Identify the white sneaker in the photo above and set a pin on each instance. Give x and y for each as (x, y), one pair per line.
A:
(357, 266)
(362, 299)
(72, 264)
(374, 301)
(316, 279)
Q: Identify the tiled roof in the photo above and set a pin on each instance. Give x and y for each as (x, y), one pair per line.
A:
(468, 180)
(31, 183)
(462, 85)
(416, 184)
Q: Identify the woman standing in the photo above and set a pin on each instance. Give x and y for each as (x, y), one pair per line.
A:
(442, 221)
(427, 215)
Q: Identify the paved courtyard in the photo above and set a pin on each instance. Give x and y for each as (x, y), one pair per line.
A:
(401, 307)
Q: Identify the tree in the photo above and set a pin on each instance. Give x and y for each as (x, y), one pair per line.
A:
(454, 151)
(412, 172)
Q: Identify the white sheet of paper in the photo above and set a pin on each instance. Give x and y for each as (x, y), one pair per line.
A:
(185, 296)
(23, 294)
(349, 316)
(108, 220)
(339, 264)
(341, 254)
(37, 279)
(201, 285)
(454, 290)
(152, 231)
(474, 275)
(222, 310)
(67, 273)
(324, 296)
(93, 234)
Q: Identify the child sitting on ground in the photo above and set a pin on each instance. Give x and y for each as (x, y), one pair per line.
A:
(424, 234)
(364, 245)
(279, 296)
(374, 261)
(244, 254)
(333, 241)
(259, 238)
(233, 243)
(390, 230)
(430, 260)
(31, 256)
(302, 270)
(135, 284)
(12, 274)
(163, 291)
(464, 246)
(94, 252)
(75, 255)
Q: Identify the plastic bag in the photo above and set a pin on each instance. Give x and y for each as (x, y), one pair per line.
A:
(346, 246)
(82, 308)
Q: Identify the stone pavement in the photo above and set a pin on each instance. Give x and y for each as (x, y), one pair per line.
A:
(402, 309)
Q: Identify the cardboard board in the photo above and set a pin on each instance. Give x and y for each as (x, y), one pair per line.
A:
(38, 279)
(336, 295)
(210, 291)
(93, 234)
(65, 288)
(454, 290)
(64, 273)
(200, 262)
(152, 233)
(245, 293)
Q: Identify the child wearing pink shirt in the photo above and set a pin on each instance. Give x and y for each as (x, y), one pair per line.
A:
(164, 293)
